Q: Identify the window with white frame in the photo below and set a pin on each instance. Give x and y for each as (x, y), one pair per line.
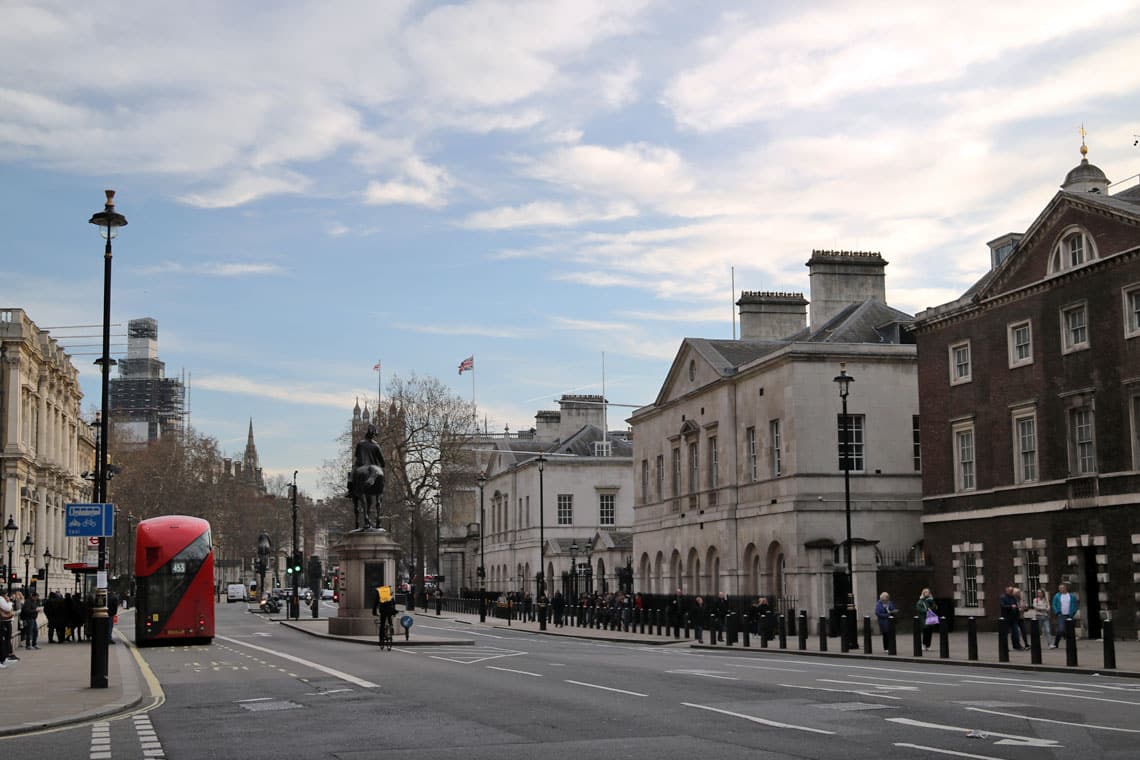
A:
(1075, 248)
(1020, 344)
(694, 468)
(1074, 328)
(1025, 446)
(1131, 311)
(964, 475)
(607, 508)
(565, 509)
(777, 459)
(714, 461)
(960, 366)
(969, 569)
(852, 436)
(1081, 440)
(1031, 565)
(753, 474)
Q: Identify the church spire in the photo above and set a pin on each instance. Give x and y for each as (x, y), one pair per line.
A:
(249, 461)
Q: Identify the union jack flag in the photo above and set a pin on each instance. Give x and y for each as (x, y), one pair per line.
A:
(467, 364)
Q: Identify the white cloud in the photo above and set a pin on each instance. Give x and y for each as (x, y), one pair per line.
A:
(271, 389)
(619, 87)
(214, 269)
(420, 185)
(465, 329)
(546, 214)
(637, 170)
(248, 187)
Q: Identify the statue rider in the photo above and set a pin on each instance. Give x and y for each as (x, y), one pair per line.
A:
(367, 479)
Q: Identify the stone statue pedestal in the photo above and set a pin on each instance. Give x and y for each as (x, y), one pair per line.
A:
(367, 560)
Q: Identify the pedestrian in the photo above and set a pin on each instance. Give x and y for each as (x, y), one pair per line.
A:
(927, 610)
(7, 614)
(719, 613)
(884, 611)
(1065, 607)
(1042, 609)
(697, 618)
(676, 611)
(558, 604)
(30, 620)
(112, 613)
(766, 621)
(1011, 614)
(1023, 607)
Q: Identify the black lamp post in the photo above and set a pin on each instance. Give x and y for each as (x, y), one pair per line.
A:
(574, 568)
(482, 572)
(541, 530)
(108, 221)
(10, 531)
(295, 600)
(28, 546)
(131, 521)
(47, 570)
(844, 380)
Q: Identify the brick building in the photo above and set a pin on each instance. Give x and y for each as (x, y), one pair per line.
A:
(1029, 388)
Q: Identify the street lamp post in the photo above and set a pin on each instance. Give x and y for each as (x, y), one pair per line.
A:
(844, 381)
(295, 601)
(28, 546)
(541, 547)
(574, 568)
(10, 531)
(47, 570)
(108, 221)
(482, 572)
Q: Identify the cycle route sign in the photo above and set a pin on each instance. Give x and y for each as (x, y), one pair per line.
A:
(86, 520)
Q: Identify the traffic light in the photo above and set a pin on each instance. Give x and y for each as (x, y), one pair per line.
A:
(315, 572)
(296, 562)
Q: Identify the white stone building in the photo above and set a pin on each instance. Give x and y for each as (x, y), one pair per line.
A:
(738, 469)
(44, 444)
(582, 477)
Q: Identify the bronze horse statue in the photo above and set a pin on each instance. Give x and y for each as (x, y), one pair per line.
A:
(367, 482)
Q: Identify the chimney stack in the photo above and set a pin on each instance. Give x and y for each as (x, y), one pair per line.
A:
(771, 316)
(842, 278)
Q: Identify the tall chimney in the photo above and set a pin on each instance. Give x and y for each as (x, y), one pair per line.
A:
(771, 316)
(842, 278)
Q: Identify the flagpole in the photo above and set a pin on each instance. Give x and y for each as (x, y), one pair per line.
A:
(474, 408)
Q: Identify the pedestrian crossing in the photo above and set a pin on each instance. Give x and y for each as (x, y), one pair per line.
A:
(141, 741)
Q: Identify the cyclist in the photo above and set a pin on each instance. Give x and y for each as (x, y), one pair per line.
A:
(384, 606)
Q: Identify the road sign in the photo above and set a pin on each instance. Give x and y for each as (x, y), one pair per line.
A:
(85, 520)
(93, 541)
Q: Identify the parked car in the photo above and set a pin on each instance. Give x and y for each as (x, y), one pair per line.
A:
(328, 593)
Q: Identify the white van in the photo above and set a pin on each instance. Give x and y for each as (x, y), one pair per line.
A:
(235, 592)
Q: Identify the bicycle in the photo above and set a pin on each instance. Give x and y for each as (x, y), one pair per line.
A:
(386, 632)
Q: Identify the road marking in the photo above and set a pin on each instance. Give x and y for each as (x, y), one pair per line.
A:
(906, 680)
(762, 721)
(607, 688)
(1078, 696)
(887, 687)
(703, 674)
(463, 631)
(764, 667)
(840, 691)
(253, 699)
(946, 751)
(1058, 722)
(308, 663)
(1010, 739)
(510, 670)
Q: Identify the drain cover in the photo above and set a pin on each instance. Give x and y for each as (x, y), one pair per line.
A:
(271, 705)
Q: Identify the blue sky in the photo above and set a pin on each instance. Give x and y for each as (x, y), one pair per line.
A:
(311, 187)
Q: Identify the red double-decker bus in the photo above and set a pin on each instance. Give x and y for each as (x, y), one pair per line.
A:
(174, 580)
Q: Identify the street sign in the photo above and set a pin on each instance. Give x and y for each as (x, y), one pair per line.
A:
(84, 520)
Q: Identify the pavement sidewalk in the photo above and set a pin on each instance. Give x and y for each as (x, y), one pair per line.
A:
(50, 687)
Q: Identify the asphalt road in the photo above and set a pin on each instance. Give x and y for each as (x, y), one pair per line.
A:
(262, 690)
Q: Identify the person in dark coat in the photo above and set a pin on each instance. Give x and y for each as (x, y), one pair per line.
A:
(765, 619)
(558, 604)
(698, 616)
(52, 611)
(884, 610)
(1011, 612)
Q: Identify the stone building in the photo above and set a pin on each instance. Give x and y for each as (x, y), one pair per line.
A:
(1030, 394)
(145, 405)
(739, 461)
(45, 446)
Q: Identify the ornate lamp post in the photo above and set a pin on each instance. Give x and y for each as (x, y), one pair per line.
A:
(541, 547)
(295, 600)
(844, 381)
(47, 570)
(27, 546)
(574, 568)
(482, 571)
(108, 221)
(10, 531)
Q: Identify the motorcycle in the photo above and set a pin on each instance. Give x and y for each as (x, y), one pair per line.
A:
(270, 605)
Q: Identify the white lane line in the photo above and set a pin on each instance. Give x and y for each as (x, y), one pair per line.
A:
(315, 666)
(764, 667)
(887, 687)
(946, 751)
(860, 692)
(1011, 739)
(520, 672)
(906, 680)
(703, 674)
(762, 721)
(1068, 695)
(1057, 722)
(462, 631)
(607, 688)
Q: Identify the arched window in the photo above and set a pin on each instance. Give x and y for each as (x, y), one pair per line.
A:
(1074, 248)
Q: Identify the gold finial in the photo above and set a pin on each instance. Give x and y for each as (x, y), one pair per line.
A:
(1084, 148)
(110, 199)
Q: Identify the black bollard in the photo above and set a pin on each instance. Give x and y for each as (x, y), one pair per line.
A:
(542, 615)
(972, 639)
(823, 634)
(733, 629)
(687, 620)
(1003, 640)
(802, 631)
(747, 630)
(917, 636)
(843, 637)
(792, 623)
(1070, 643)
(867, 635)
(943, 638)
(1109, 646)
(782, 628)
(1034, 642)
(892, 635)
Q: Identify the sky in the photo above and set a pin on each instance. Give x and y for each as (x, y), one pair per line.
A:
(564, 189)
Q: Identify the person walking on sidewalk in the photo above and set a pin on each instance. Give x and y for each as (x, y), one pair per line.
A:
(884, 610)
(7, 615)
(30, 620)
(1065, 606)
(927, 610)
(1042, 609)
(1011, 613)
(699, 614)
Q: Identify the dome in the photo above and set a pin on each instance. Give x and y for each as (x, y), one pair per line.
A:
(1085, 177)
